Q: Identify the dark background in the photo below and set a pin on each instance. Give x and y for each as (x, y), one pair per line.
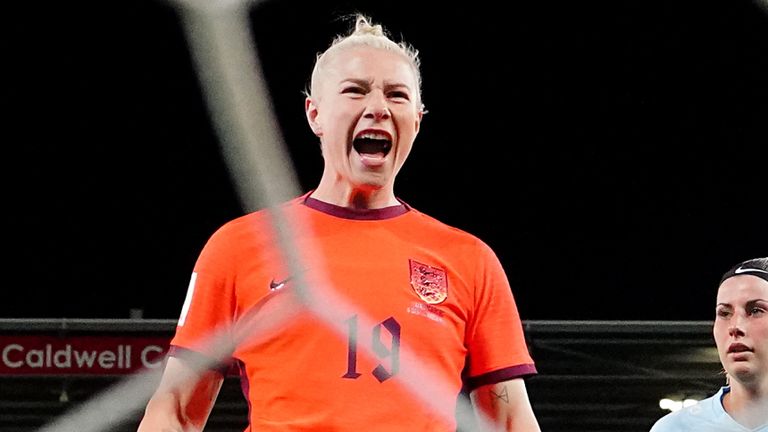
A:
(613, 153)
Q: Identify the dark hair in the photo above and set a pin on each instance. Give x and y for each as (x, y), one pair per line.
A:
(754, 267)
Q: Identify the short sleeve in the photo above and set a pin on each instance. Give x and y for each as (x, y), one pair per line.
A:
(209, 306)
(496, 342)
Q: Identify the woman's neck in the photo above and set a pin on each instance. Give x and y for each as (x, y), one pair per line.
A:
(358, 199)
(748, 405)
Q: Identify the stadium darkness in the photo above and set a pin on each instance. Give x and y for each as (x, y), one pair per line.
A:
(612, 153)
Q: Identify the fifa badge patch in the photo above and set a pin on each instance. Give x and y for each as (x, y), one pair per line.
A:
(430, 283)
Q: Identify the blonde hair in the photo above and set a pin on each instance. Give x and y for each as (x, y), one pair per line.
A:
(365, 33)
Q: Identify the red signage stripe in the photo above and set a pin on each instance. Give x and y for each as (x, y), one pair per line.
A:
(80, 355)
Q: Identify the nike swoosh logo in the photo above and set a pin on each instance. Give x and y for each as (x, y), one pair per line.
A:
(745, 270)
(274, 286)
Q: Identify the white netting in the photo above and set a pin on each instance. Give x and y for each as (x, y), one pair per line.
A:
(240, 106)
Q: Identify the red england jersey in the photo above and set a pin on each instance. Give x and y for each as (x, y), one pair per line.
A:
(421, 302)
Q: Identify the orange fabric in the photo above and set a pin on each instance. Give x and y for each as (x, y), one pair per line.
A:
(354, 373)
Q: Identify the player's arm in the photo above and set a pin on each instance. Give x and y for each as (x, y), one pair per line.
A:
(506, 405)
(183, 400)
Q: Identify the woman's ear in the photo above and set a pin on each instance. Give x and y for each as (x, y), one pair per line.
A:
(310, 109)
(419, 118)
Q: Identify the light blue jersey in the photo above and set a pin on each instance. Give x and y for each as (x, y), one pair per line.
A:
(706, 416)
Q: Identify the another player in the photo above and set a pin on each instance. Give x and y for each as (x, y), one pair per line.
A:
(741, 335)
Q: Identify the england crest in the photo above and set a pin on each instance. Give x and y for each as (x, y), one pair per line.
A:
(430, 283)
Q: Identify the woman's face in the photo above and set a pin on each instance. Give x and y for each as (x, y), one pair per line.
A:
(741, 328)
(367, 113)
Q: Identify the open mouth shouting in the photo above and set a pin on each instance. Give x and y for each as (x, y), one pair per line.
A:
(373, 146)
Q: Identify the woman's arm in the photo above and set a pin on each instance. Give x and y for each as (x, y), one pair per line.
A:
(506, 406)
(183, 400)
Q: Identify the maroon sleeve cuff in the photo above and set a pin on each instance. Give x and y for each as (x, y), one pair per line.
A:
(519, 371)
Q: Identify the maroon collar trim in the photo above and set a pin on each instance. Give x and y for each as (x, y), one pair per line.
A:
(348, 213)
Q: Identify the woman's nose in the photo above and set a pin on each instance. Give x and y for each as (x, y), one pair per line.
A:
(736, 327)
(377, 107)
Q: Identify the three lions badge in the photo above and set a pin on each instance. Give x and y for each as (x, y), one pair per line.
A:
(430, 283)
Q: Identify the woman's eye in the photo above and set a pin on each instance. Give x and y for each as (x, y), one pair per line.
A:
(722, 313)
(756, 311)
(399, 95)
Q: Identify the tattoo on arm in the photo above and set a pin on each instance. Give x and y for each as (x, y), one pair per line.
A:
(501, 395)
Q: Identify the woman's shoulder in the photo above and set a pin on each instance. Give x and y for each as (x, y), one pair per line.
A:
(705, 416)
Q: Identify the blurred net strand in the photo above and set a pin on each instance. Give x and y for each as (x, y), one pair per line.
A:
(227, 65)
